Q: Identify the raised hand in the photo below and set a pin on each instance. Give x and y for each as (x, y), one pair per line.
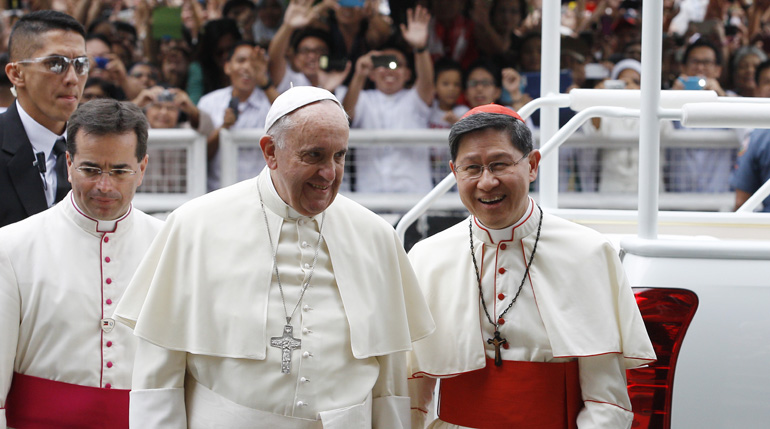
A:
(332, 79)
(415, 32)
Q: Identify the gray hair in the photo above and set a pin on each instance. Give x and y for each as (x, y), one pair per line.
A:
(748, 50)
(517, 131)
(106, 116)
(281, 127)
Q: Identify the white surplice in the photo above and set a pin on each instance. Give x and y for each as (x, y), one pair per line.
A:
(207, 302)
(576, 303)
(61, 273)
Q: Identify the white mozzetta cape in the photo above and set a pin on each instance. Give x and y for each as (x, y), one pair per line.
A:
(581, 291)
(203, 287)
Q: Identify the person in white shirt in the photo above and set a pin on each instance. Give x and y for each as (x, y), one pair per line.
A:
(63, 360)
(243, 104)
(276, 302)
(297, 48)
(536, 323)
(387, 168)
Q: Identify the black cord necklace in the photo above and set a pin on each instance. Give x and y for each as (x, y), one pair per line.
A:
(497, 340)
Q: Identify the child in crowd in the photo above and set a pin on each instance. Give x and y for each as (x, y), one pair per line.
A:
(448, 81)
(445, 110)
(387, 168)
(483, 83)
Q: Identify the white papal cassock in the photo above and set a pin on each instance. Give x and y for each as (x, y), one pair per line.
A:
(576, 304)
(61, 276)
(206, 303)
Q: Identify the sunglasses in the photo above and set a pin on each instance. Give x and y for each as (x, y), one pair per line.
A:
(58, 64)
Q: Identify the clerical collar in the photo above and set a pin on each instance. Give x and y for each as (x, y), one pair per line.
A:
(274, 202)
(516, 231)
(101, 225)
(41, 138)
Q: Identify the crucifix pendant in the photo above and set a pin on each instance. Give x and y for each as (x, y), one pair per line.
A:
(497, 341)
(287, 343)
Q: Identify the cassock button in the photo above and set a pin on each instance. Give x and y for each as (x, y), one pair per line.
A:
(109, 301)
(108, 386)
(307, 266)
(301, 404)
(109, 364)
(304, 244)
(109, 344)
(501, 321)
(501, 296)
(306, 308)
(107, 259)
(108, 281)
(501, 271)
(307, 354)
(503, 246)
(304, 380)
(306, 331)
(106, 239)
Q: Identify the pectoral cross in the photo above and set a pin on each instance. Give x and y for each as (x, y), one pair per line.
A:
(497, 342)
(287, 343)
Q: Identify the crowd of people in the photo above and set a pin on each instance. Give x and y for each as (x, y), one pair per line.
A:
(217, 65)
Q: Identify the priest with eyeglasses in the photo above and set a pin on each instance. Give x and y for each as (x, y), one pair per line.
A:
(535, 321)
(276, 302)
(64, 362)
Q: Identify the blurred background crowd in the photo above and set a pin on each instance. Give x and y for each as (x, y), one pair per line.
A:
(213, 64)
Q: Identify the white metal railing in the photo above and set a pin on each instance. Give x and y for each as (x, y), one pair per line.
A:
(176, 171)
(154, 198)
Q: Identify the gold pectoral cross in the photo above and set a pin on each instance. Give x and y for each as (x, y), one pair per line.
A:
(497, 341)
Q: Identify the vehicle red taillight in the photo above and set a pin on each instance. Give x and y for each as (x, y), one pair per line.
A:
(667, 313)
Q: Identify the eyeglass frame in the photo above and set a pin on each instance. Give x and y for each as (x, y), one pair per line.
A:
(96, 173)
(462, 170)
(67, 61)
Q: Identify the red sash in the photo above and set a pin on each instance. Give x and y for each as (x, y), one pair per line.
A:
(41, 403)
(518, 394)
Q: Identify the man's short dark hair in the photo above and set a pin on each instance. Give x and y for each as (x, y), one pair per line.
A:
(25, 34)
(299, 35)
(760, 68)
(517, 131)
(237, 45)
(487, 65)
(445, 64)
(103, 117)
(699, 43)
(232, 4)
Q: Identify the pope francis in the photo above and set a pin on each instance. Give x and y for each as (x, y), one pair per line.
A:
(276, 303)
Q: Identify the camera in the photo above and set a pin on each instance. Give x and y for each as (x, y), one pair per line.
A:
(326, 63)
(352, 3)
(387, 61)
(693, 82)
(614, 84)
(166, 95)
(101, 62)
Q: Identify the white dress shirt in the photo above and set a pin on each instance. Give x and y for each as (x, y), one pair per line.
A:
(42, 140)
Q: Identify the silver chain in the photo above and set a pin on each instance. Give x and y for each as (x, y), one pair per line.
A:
(275, 260)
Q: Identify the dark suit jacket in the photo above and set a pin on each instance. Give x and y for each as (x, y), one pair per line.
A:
(21, 187)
